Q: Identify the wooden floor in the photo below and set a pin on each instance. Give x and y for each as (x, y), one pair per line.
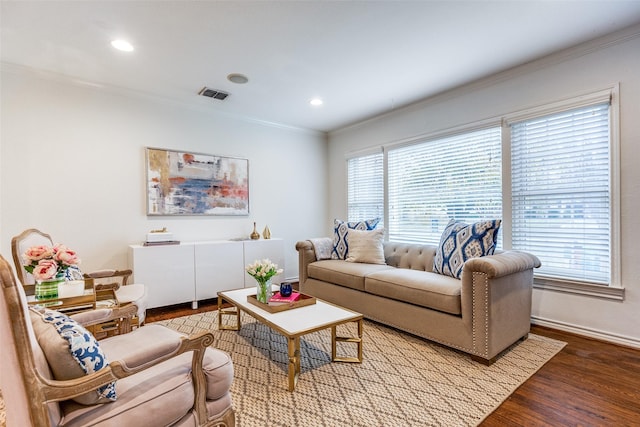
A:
(589, 383)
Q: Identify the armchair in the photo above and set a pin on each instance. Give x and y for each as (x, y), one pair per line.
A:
(135, 294)
(161, 376)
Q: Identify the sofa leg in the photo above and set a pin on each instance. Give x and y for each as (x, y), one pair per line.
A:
(482, 360)
(489, 362)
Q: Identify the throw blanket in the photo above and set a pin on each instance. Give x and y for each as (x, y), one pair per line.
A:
(322, 247)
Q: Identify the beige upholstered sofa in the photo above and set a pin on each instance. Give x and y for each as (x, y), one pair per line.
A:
(153, 376)
(482, 314)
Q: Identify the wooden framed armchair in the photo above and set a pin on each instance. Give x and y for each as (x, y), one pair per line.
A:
(125, 293)
(158, 377)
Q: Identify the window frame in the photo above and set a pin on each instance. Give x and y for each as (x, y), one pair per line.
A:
(614, 289)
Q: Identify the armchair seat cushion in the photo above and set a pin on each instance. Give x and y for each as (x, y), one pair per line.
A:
(131, 350)
(158, 394)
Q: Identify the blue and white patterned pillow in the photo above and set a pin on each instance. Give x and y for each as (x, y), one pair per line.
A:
(340, 231)
(81, 347)
(461, 241)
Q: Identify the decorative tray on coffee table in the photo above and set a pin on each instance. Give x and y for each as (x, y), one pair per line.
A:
(303, 301)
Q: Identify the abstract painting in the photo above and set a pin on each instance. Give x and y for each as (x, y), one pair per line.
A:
(181, 183)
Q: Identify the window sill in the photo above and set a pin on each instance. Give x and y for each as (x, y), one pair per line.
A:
(579, 288)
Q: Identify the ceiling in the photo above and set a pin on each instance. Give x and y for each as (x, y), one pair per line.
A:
(363, 58)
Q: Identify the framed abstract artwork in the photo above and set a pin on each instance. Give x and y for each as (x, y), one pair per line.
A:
(182, 183)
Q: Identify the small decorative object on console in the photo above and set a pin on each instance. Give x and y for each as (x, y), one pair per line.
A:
(160, 237)
(254, 234)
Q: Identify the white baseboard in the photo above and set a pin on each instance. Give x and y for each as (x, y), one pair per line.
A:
(587, 332)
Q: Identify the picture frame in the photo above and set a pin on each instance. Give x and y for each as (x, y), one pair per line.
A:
(188, 183)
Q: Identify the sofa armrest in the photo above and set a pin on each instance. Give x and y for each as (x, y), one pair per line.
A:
(306, 255)
(502, 264)
(496, 300)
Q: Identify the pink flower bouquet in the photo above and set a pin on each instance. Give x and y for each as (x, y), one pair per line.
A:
(45, 263)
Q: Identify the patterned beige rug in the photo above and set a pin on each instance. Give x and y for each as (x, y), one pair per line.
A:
(403, 381)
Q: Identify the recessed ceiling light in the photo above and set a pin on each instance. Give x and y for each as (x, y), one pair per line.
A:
(316, 102)
(237, 78)
(122, 45)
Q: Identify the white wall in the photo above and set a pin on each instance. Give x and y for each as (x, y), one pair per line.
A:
(584, 69)
(72, 163)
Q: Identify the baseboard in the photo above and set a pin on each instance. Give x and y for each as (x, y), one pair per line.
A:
(587, 332)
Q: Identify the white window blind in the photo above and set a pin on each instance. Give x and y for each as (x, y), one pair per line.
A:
(456, 177)
(560, 192)
(365, 187)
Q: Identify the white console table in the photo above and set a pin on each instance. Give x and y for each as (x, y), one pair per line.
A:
(193, 271)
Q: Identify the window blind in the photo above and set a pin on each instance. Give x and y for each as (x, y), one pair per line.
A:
(365, 188)
(429, 183)
(560, 192)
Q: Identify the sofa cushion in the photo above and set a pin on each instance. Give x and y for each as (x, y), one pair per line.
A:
(417, 287)
(340, 231)
(71, 352)
(366, 246)
(461, 241)
(339, 272)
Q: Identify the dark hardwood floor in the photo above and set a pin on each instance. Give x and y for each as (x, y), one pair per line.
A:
(589, 383)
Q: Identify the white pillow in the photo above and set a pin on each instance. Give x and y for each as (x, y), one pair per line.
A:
(366, 246)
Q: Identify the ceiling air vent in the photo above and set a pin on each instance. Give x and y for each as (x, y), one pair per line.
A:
(212, 93)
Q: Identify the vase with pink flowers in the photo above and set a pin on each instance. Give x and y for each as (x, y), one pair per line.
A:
(48, 265)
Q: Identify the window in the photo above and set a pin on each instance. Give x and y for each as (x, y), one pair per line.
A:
(430, 182)
(560, 192)
(365, 189)
(549, 172)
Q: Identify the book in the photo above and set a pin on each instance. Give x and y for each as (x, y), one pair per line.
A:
(168, 242)
(277, 299)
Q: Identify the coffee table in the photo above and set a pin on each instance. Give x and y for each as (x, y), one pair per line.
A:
(293, 324)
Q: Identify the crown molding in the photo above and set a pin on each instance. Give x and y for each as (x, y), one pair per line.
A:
(574, 52)
(8, 67)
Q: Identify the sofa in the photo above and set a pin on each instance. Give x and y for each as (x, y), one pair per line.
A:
(482, 313)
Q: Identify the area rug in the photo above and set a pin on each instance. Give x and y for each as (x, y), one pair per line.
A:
(403, 380)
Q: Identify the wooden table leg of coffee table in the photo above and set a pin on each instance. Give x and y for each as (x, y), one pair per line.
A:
(294, 361)
(232, 311)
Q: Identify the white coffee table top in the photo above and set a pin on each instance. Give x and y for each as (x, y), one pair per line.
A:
(294, 322)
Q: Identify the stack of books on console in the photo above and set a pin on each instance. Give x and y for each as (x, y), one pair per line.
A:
(277, 299)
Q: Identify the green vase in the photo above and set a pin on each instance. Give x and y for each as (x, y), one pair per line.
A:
(263, 291)
(48, 289)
